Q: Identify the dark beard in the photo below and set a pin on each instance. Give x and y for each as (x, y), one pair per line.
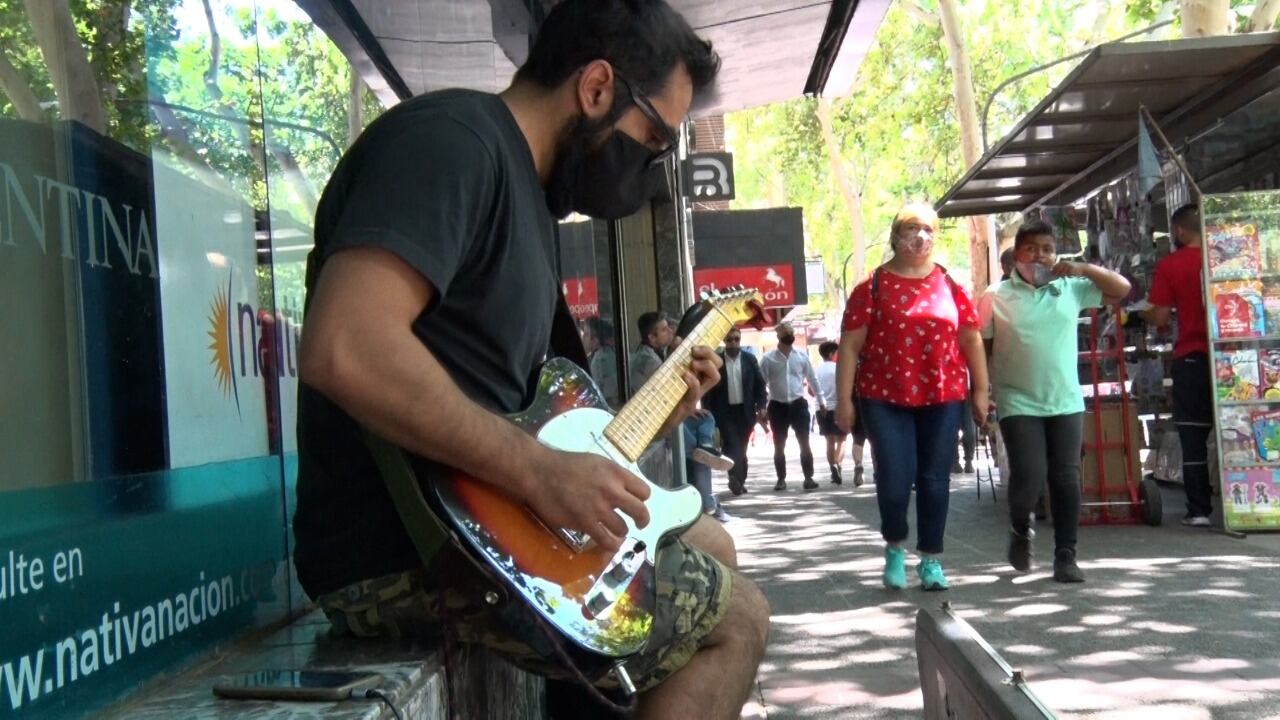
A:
(575, 143)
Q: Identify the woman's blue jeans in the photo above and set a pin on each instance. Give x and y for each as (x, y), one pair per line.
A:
(912, 445)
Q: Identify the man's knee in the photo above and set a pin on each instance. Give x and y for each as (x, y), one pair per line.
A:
(747, 621)
(710, 537)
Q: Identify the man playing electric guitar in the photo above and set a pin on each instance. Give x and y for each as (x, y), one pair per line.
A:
(431, 292)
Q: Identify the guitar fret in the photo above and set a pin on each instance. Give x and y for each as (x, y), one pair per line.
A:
(641, 418)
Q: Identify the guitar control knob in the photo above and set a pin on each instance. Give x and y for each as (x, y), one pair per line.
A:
(619, 574)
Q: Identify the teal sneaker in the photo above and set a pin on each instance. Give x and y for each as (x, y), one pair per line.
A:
(895, 568)
(931, 577)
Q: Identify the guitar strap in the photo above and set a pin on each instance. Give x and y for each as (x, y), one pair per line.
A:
(422, 526)
(566, 342)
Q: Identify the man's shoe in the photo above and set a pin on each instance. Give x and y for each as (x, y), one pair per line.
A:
(895, 568)
(1196, 521)
(721, 515)
(809, 484)
(835, 475)
(931, 577)
(1020, 550)
(857, 476)
(1065, 569)
(968, 467)
(711, 457)
(955, 468)
(736, 487)
(780, 485)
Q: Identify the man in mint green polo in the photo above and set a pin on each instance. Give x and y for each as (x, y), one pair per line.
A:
(1029, 324)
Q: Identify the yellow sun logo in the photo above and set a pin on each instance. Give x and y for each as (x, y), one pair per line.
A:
(220, 341)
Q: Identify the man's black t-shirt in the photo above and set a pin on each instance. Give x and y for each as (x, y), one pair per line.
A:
(446, 182)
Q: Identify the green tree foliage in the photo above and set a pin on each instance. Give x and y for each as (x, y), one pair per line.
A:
(898, 130)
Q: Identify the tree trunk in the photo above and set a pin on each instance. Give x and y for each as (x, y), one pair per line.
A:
(355, 108)
(1264, 16)
(18, 91)
(970, 133)
(68, 63)
(852, 195)
(1205, 18)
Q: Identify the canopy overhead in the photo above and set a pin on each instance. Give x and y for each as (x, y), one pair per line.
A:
(771, 50)
(1084, 134)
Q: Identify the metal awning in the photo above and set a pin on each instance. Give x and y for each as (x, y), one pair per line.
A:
(771, 50)
(1084, 134)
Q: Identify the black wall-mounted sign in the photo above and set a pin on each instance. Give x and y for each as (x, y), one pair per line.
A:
(709, 176)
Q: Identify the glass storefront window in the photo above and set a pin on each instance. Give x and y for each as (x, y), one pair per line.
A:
(160, 163)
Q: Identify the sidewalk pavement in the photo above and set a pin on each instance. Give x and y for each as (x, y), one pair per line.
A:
(1174, 623)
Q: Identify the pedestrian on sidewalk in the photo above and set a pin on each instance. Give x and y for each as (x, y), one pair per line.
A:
(738, 403)
(827, 420)
(910, 337)
(1179, 284)
(1029, 324)
(786, 372)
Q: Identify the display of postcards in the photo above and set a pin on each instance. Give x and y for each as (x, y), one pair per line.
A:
(1238, 309)
(1252, 491)
(1266, 434)
(1262, 491)
(1237, 374)
(1269, 373)
(1234, 251)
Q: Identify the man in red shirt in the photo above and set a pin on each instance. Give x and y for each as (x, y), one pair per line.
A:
(1179, 285)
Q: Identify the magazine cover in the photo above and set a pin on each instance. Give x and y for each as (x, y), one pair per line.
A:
(1238, 447)
(1238, 310)
(1234, 251)
(1271, 303)
(1251, 498)
(1266, 433)
(1269, 373)
(1237, 374)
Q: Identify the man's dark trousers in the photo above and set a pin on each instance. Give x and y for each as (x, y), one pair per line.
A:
(735, 431)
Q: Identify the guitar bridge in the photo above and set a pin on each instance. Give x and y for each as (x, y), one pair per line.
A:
(615, 577)
(577, 540)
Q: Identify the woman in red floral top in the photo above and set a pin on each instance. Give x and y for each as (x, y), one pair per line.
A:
(910, 336)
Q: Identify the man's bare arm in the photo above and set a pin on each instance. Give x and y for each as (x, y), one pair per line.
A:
(359, 351)
(1157, 315)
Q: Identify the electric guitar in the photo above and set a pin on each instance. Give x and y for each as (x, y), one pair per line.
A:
(601, 602)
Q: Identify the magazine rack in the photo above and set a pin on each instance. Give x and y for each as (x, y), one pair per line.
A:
(1242, 280)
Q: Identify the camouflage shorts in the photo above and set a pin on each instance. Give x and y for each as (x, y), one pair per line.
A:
(693, 597)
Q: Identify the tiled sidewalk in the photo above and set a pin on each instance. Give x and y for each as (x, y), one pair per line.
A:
(1174, 623)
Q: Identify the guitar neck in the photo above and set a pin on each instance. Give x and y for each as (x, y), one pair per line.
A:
(643, 416)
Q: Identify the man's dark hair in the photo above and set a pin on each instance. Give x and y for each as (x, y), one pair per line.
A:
(1031, 229)
(601, 328)
(827, 349)
(1186, 217)
(646, 324)
(644, 41)
(1007, 261)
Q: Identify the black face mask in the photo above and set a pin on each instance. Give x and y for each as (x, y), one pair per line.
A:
(609, 182)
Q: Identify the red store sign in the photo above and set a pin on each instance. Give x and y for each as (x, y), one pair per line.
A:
(580, 293)
(775, 282)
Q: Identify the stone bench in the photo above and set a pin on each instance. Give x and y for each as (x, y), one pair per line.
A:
(418, 677)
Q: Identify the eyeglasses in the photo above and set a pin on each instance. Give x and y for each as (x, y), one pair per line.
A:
(646, 107)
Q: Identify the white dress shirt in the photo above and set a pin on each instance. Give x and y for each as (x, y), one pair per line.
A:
(827, 381)
(733, 378)
(785, 376)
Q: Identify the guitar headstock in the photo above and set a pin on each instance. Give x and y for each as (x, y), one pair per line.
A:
(741, 304)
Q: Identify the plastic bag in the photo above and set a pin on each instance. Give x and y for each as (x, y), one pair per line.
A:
(1169, 458)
